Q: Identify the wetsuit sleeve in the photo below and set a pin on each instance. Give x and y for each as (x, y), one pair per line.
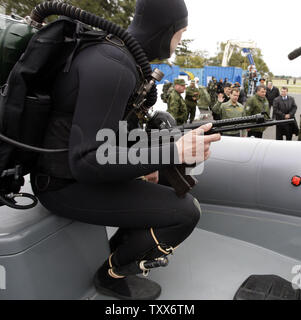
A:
(105, 86)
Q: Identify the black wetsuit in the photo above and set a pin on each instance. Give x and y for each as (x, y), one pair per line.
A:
(94, 95)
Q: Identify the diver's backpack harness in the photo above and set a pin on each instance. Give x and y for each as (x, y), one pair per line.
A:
(25, 100)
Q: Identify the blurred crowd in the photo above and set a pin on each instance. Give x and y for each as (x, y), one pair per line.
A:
(223, 100)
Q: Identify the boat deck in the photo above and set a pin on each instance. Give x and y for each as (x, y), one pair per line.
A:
(209, 266)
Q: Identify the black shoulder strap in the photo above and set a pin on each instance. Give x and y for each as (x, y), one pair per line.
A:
(84, 38)
(88, 37)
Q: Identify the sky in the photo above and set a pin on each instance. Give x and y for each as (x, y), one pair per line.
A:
(275, 26)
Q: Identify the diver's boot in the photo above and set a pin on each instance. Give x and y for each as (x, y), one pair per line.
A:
(131, 287)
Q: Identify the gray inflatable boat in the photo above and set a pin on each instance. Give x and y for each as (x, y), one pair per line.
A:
(250, 224)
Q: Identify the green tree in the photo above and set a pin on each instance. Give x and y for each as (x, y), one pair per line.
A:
(260, 63)
(118, 11)
(183, 54)
(182, 49)
(238, 60)
(164, 61)
(186, 58)
(196, 59)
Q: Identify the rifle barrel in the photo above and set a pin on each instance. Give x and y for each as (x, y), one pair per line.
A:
(235, 124)
(239, 127)
(258, 118)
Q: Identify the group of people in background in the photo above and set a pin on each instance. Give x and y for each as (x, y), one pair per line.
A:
(215, 88)
(182, 110)
(227, 101)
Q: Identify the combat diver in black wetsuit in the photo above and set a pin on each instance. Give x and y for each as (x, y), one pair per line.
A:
(92, 96)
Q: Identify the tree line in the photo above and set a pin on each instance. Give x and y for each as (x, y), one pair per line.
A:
(118, 11)
(121, 12)
(186, 58)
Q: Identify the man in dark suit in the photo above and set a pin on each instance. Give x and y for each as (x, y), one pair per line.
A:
(272, 93)
(284, 108)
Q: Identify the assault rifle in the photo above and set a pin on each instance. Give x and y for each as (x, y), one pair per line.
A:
(176, 174)
(164, 121)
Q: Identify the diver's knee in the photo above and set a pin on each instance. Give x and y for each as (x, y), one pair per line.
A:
(191, 211)
(197, 211)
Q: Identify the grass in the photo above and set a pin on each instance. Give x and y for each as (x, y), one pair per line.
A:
(291, 87)
(294, 89)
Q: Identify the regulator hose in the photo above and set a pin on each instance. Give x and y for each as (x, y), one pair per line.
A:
(48, 8)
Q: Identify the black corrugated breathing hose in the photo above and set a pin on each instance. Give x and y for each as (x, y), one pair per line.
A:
(48, 8)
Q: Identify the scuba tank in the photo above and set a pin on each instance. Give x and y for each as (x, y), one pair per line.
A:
(15, 34)
(25, 98)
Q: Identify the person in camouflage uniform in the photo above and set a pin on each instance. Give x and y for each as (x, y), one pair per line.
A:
(204, 100)
(203, 103)
(257, 104)
(192, 96)
(164, 96)
(212, 90)
(225, 96)
(230, 109)
(170, 90)
(246, 86)
(176, 104)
